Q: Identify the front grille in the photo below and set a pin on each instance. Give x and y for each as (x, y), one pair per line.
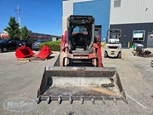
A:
(112, 47)
(80, 52)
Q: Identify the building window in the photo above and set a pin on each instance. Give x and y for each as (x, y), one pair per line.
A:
(117, 3)
(138, 35)
(97, 33)
(96, 29)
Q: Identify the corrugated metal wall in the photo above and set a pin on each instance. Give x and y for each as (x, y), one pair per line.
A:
(128, 15)
(68, 10)
(127, 30)
(68, 6)
(100, 9)
(131, 11)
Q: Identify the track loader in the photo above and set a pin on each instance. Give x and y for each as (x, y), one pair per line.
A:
(78, 73)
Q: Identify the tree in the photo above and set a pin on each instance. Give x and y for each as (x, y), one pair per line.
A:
(13, 29)
(24, 33)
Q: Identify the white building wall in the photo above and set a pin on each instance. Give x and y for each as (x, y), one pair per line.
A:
(132, 11)
(67, 11)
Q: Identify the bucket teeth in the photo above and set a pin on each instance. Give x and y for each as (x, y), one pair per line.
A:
(103, 100)
(38, 100)
(49, 100)
(124, 99)
(59, 99)
(82, 100)
(70, 99)
(114, 100)
(92, 100)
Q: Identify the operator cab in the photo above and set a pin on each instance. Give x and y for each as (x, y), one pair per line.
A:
(113, 35)
(80, 32)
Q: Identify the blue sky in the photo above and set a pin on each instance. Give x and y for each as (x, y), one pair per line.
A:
(38, 15)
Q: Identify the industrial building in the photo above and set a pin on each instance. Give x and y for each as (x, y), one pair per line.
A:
(35, 35)
(133, 17)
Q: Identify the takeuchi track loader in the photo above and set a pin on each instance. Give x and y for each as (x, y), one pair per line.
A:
(79, 73)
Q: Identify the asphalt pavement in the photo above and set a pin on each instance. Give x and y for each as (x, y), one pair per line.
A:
(20, 80)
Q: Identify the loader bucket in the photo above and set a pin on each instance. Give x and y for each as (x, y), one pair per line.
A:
(80, 83)
(44, 53)
(23, 52)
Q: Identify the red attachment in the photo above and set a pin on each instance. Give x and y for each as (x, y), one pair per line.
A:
(44, 53)
(24, 52)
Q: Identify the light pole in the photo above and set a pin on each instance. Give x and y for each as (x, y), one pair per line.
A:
(58, 27)
(18, 11)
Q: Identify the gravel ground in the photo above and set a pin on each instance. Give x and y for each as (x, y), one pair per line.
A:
(20, 79)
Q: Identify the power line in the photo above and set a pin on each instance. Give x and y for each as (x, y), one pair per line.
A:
(18, 11)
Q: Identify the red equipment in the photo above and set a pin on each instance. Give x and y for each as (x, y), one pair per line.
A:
(44, 53)
(24, 52)
(91, 54)
(83, 77)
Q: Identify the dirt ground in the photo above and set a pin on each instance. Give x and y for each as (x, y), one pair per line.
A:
(20, 79)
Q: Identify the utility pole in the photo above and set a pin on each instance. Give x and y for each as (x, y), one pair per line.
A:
(18, 11)
(58, 27)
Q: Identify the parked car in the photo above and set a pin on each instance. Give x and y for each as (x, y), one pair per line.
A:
(26, 43)
(8, 44)
(35, 45)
